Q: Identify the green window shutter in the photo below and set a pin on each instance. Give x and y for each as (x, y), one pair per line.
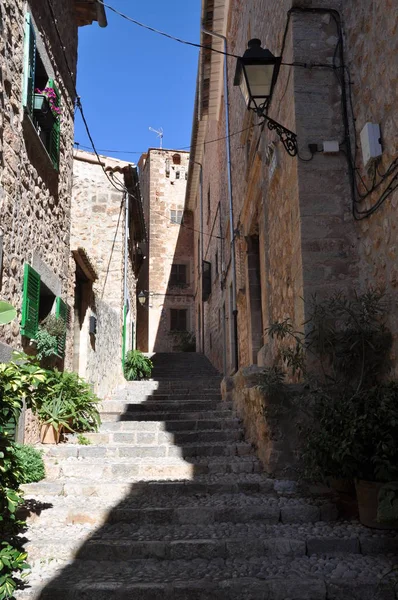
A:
(55, 133)
(30, 302)
(61, 312)
(28, 90)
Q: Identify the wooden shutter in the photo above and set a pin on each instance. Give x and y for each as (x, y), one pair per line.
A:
(29, 64)
(30, 302)
(61, 312)
(206, 280)
(55, 133)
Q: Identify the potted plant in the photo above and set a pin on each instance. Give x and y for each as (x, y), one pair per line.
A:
(343, 356)
(54, 416)
(79, 401)
(46, 109)
(48, 333)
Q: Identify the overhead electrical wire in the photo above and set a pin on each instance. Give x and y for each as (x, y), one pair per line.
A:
(351, 156)
(80, 107)
(163, 33)
(181, 148)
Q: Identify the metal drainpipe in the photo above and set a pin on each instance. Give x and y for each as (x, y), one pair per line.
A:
(201, 256)
(126, 246)
(202, 304)
(230, 197)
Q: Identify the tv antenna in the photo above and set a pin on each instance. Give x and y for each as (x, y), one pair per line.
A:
(159, 134)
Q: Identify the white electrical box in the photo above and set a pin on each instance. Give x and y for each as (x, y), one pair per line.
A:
(371, 142)
(331, 147)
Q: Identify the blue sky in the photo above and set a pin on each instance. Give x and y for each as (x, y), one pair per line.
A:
(130, 79)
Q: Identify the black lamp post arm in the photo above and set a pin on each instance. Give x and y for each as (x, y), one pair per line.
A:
(287, 137)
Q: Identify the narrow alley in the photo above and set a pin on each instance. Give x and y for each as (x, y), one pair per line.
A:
(170, 502)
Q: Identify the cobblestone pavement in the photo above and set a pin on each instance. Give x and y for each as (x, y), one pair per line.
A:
(169, 502)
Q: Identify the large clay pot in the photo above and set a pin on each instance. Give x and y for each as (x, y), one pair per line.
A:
(48, 434)
(367, 495)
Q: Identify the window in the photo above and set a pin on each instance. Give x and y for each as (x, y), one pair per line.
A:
(176, 159)
(178, 319)
(176, 216)
(37, 303)
(177, 174)
(41, 107)
(167, 167)
(178, 275)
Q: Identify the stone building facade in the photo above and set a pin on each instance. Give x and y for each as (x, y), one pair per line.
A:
(166, 321)
(36, 161)
(35, 156)
(107, 228)
(300, 226)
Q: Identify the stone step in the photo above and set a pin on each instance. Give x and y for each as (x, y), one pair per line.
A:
(159, 438)
(161, 450)
(117, 415)
(170, 406)
(120, 549)
(145, 469)
(164, 392)
(134, 486)
(122, 541)
(298, 578)
(189, 425)
(118, 503)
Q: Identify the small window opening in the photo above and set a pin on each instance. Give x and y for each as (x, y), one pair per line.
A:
(178, 319)
(176, 216)
(176, 159)
(178, 276)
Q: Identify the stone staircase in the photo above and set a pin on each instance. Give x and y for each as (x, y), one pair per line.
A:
(169, 502)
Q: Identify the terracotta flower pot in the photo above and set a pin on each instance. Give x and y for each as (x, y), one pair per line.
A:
(367, 495)
(48, 434)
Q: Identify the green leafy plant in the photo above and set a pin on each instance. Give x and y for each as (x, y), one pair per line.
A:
(12, 561)
(46, 344)
(30, 462)
(73, 396)
(53, 411)
(343, 356)
(53, 325)
(183, 341)
(83, 440)
(19, 380)
(137, 366)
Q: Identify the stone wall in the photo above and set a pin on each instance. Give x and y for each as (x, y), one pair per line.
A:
(163, 185)
(98, 226)
(371, 47)
(298, 211)
(271, 421)
(34, 197)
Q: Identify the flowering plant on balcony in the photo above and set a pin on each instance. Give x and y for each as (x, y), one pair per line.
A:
(52, 100)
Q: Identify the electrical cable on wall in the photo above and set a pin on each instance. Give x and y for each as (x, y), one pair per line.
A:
(357, 195)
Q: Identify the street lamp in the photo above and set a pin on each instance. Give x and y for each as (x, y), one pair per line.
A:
(142, 298)
(256, 74)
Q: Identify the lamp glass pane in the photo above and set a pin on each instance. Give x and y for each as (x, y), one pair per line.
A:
(244, 89)
(260, 80)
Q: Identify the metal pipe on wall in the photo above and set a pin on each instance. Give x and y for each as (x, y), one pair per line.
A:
(230, 197)
(201, 254)
(126, 199)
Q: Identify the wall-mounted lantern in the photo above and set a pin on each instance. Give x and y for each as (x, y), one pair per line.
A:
(142, 298)
(256, 75)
